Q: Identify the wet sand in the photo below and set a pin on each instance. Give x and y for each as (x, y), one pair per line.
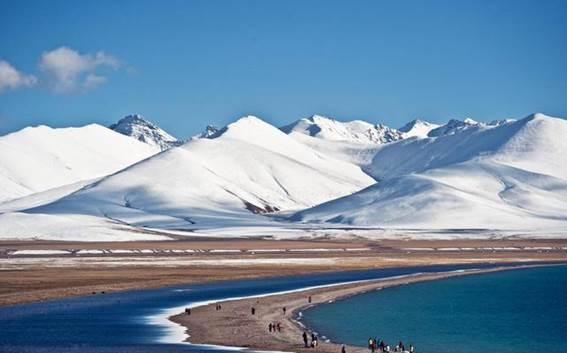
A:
(234, 325)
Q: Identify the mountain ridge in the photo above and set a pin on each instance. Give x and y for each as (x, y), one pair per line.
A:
(249, 169)
(250, 177)
(487, 176)
(358, 131)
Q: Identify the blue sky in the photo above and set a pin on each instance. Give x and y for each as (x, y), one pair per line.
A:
(185, 64)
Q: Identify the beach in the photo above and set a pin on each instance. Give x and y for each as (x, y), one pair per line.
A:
(234, 324)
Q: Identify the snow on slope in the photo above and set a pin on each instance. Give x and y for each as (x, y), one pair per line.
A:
(535, 143)
(39, 158)
(471, 195)
(352, 131)
(540, 146)
(417, 128)
(354, 142)
(43, 197)
(512, 176)
(360, 154)
(138, 127)
(249, 167)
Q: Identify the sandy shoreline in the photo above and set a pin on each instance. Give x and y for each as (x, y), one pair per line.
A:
(127, 265)
(234, 325)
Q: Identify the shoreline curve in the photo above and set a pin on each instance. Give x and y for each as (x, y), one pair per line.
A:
(234, 328)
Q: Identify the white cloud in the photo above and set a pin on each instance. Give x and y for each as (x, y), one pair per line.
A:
(10, 78)
(92, 80)
(68, 70)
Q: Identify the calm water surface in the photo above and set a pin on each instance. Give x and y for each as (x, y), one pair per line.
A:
(517, 311)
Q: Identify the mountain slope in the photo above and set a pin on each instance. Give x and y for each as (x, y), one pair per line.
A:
(138, 127)
(250, 167)
(512, 176)
(360, 154)
(39, 158)
(471, 195)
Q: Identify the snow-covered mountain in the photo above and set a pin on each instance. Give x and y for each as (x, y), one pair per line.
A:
(501, 122)
(469, 178)
(453, 126)
(138, 127)
(357, 131)
(209, 132)
(501, 177)
(36, 159)
(248, 168)
(417, 128)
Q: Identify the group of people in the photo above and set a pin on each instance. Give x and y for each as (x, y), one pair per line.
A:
(314, 340)
(379, 344)
(275, 327)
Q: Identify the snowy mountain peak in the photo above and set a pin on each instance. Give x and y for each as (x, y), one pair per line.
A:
(320, 119)
(538, 116)
(453, 126)
(138, 127)
(358, 131)
(209, 132)
(470, 121)
(417, 128)
(248, 120)
(245, 127)
(499, 122)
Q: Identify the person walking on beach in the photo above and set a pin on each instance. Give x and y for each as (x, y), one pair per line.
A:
(313, 341)
(284, 310)
(253, 310)
(370, 343)
(309, 299)
(270, 327)
(343, 349)
(305, 341)
(411, 348)
(279, 327)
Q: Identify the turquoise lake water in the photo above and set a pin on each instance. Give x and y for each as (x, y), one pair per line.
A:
(516, 311)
